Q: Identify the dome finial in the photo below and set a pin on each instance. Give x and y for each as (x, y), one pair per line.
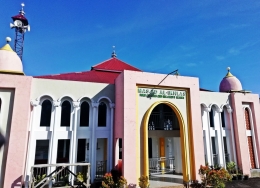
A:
(22, 11)
(229, 73)
(8, 39)
(7, 47)
(114, 52)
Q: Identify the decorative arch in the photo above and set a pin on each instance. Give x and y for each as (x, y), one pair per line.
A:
(66, 96)
(218, 109)
(84, 98)
(41, 97)
(186, 161)
(104, 97)
(227, 106)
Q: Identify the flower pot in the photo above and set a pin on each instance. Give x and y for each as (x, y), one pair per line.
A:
(234, 177)
(240, 177)
(245, 177)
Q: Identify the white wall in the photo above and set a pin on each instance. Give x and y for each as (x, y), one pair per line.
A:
(217, 102)
(76, 92)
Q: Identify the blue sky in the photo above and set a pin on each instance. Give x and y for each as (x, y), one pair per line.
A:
(200, 38)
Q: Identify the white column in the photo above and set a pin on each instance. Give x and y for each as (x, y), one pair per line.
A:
(93, 142)
(31, 141)
(111, 140)
(54, 126)
(229, 110)
(206, 127)
(74, 143)
(218, 128)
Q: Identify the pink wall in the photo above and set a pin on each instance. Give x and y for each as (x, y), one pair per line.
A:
(239, 126)
(126, 89)
(16, 156)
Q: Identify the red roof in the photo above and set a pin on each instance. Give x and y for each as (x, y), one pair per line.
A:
(114, 64)
(105, 72)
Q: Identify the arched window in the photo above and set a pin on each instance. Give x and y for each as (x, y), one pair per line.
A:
(65, 114)
(102, 114)
(163, 118)
(46, 114)
(211, 118)
(84, 114)
(223, 118)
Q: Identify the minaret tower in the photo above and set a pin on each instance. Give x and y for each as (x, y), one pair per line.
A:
(21, 25)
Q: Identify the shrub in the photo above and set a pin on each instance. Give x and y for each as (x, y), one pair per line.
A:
(108, 181)
(143, 181)
(214, 177)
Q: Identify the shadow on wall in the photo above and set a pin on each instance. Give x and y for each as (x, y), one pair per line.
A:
(108, 91)
(17, 182)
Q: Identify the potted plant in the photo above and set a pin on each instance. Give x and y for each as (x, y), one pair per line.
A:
(240, 174)
(246, 176)
(38, 179)
(234, 176)
(231, 168)
(64, 181)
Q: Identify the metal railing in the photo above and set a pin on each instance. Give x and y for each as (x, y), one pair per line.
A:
(155, 165)
(101, 168)
(62, 174)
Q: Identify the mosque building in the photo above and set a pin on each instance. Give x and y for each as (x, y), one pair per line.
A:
(116, 115)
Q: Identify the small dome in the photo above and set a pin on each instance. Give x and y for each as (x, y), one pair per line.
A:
(230, 83)
(10, 63)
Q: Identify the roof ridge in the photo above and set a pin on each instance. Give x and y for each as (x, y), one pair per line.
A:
(102, 62)
(116, 59)
(61, 73)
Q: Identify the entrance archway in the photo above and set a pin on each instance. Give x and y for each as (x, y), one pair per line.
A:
(183, 139)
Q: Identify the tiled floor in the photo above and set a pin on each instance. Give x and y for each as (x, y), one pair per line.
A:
(166, 180)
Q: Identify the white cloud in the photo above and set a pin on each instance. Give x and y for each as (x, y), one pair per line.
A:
(220, 57)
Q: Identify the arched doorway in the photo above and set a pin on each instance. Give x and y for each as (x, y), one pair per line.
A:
(168, 119)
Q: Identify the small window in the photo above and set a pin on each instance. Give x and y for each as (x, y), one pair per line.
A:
(225, 145)
(213, 142)
(211, 118)
(41, 152)
(63, 151)
(120, 147)
(46, 114)
(102, 114)
(223, 119)
(65, 114)
(84, 114)
(81, 154)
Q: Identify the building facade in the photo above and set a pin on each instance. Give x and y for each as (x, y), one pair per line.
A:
(117, 116)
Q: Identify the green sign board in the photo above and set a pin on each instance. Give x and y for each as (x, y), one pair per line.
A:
(161, 93)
